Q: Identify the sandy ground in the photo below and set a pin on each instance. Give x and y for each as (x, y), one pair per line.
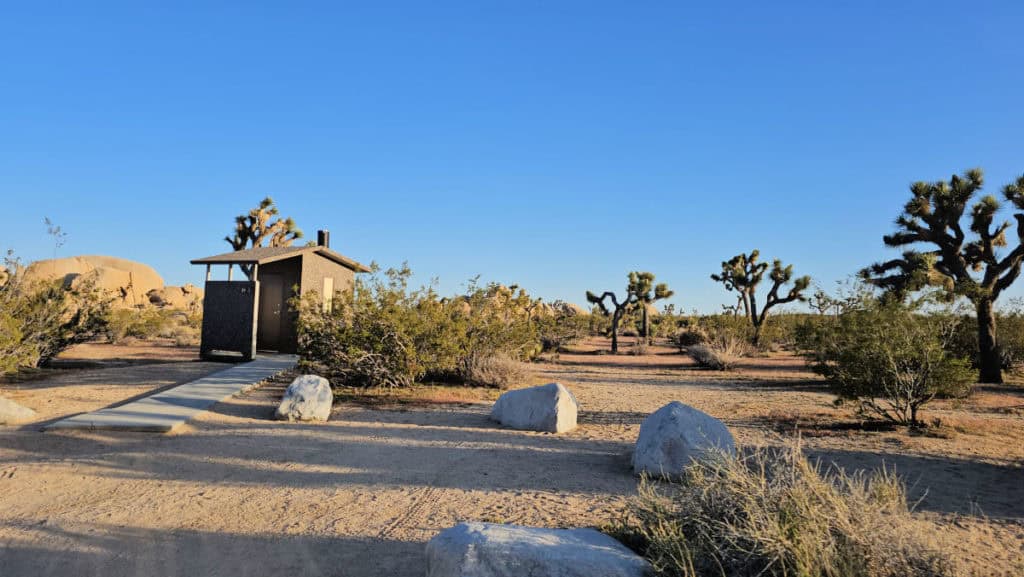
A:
(238, 494)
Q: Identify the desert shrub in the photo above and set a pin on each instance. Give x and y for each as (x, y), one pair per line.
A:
(498, 371)
(382, 333)
(639, 348)
(13, 354)
(138, 323)
(781, 330)
(39, 320)
(720, 352)
(890, 359)
(686, 338)
(560, 330)
(773, 513)
(715, 341)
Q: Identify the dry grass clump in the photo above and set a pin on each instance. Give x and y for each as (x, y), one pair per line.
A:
(774, 514)
(497, 371)
(639, 348)
(720, 353)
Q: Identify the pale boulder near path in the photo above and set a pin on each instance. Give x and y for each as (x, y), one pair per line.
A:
(491, 550)
(549, 408)
(236, 493)
(674, 436)
(308, 398)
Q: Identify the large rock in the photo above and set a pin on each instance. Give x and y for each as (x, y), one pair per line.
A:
(308, 398)
(549, 408)
(128, 281)
(185, 298)
(12, 413)
(490, 550)
(676, 434)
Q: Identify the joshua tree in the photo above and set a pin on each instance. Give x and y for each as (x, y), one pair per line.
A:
(642, 285)
(638, 291)
(251, 230)
(619, 309)
(743, 273)
(960, 267)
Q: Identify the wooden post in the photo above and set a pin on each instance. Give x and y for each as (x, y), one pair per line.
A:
(208, 273)
(230, 269)
(255, 269)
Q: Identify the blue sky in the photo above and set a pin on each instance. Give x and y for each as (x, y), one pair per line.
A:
(556, 144)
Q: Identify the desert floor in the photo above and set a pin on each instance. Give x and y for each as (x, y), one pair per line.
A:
(236, 493)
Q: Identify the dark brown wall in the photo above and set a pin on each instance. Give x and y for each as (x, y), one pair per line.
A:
(229, 308)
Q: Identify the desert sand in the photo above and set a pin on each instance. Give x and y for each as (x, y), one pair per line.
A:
(236, 493)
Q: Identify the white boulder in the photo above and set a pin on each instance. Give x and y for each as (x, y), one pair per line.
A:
(12, 413)
(674, 435)
(490, 550)
(308, 398)
(548, 408)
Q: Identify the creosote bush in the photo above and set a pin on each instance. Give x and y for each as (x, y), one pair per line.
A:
(384, 334)
(889, 358)
(39, 320)
(773, 513)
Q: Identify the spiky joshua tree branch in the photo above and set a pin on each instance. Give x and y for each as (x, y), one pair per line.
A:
(251, 230)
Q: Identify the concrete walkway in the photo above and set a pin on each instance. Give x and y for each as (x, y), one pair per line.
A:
(166, 410)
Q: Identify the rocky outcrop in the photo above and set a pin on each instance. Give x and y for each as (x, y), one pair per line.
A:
(548, 408)
(308, 398)
(129, 282)
(490, 550)
(676, 434)
(184, 298)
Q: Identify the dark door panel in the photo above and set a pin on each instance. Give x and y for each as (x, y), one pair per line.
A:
(272, 309)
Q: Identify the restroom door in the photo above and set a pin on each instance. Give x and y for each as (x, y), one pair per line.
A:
(272, 307)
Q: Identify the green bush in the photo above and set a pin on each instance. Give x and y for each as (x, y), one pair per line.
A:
(382, 333)
(559, 330)
(39, 320)
(774, 514)
(889, 358)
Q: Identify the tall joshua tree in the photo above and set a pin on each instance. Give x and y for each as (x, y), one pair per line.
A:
(262, 225)
(642, 285)
(961, 267)
(744, 272)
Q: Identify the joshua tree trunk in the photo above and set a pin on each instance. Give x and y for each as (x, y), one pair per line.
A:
(616, 317)
(990, 366)
(646, 328)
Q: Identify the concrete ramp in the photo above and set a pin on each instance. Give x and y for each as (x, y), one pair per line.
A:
(164, 411)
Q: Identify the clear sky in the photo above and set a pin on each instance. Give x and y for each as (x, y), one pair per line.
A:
(553, 144)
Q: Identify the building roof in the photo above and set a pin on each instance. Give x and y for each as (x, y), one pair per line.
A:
(267, 254)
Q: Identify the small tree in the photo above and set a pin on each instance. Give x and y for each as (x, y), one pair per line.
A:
(260, 225)
(642, 285)
(618, 310)
(960, 267)
(743, 273)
